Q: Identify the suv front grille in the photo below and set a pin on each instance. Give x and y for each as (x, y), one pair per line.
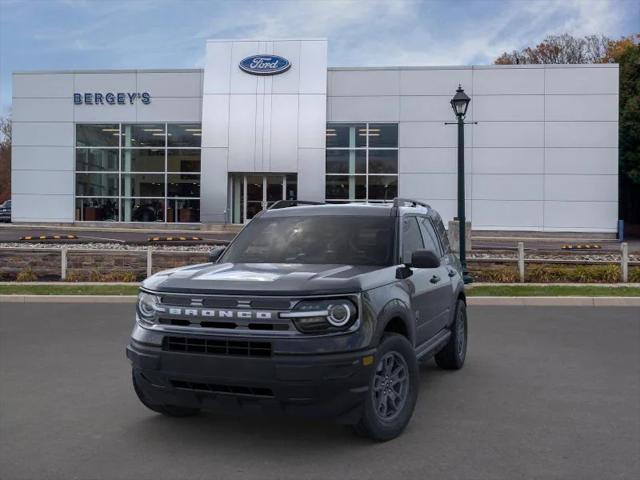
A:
(225, 302)
(183, 322)
(210, 302)
(238, 348)
(215, 388)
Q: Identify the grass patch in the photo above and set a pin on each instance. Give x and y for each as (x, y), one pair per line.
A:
(552, 291)
(68, 289)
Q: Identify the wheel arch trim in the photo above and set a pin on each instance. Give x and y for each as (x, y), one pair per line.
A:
(395, 309)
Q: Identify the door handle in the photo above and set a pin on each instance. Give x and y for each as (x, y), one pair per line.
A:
(435, 279)
(452, 273)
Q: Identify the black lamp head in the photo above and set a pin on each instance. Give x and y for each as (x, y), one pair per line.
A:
(460, 102)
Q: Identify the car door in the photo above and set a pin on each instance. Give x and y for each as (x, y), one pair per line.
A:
(440, 280)
(421, 288)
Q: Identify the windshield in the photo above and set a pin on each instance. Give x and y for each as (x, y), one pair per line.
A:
(345, 240)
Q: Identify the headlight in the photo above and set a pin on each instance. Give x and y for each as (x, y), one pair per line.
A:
(147, 306)
(323, 316)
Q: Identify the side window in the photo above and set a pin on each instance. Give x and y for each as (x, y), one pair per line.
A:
(411, 238)
(430, 238)
(442, 233)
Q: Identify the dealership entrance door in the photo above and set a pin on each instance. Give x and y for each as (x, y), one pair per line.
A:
(253, 192)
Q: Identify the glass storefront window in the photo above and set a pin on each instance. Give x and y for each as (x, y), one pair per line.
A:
(142, 210)
(97, 159)
(383, 135)
(291, 192)
(184, 135)
(346, 161)
(96, 185)
(346, 136)
(143, 185)
(346, 187)
(383, 161)
(183, 160)
(383, 187)
(96, 209)
(144, 135)
(181, 185)
(143, 159)
(251, 193)
(361, 161)
(183, 211)
(133, 164)
(101, 135)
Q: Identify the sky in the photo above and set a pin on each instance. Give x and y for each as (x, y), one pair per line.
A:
(114, 34)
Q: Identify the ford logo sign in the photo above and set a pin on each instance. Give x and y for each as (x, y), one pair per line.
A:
(265, 64)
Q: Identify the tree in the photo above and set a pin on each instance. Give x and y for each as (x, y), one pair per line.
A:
(560, 49)
(626, 53)
(5, 158)
(600, 49)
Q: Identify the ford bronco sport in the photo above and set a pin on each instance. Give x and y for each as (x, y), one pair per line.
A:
(316, 310)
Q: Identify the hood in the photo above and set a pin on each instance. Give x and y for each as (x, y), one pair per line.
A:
(270, 279)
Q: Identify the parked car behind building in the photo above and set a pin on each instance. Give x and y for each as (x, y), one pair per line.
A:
(5, 211)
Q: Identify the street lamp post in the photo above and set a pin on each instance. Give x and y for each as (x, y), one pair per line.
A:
(460, 103)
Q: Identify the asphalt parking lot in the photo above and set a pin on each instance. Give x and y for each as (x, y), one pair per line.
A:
(546, 393)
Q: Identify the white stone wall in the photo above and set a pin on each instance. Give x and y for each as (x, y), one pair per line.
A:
(543, 156)
(254, 123)
(44, 117)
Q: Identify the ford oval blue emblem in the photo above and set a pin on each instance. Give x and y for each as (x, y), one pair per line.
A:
(265, 64)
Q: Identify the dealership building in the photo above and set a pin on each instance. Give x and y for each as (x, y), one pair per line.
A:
(270, 120)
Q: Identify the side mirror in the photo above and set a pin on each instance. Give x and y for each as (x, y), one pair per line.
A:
(216, 252)
(424, 259)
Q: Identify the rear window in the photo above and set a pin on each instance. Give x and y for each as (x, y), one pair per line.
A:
(346, 240)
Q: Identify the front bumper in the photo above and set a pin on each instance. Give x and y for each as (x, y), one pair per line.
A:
(310, 385)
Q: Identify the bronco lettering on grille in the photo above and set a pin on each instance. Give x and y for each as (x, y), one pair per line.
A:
(213, 313)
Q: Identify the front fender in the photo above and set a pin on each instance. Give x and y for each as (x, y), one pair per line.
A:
(396, 309)
(384, 310)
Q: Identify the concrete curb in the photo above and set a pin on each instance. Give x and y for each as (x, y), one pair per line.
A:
(74, 284)
(556, 301)
(68, 298)
(558, 284)
(202, 228)
(473, 301)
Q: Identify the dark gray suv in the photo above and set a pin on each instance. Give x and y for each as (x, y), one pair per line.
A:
(314, 310)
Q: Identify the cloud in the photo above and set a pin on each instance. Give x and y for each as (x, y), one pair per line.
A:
(372, 33)
(69, 34)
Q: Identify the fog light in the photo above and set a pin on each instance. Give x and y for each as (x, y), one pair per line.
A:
(368, 360)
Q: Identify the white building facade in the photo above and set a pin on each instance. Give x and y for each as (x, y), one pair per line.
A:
(269, 120)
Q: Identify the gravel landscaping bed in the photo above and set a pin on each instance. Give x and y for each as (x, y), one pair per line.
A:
(205, 247)
(200, 247)
(529, 256)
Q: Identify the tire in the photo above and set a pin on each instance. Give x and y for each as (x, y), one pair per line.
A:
(386, 414)
(452, 356)
(168, 410)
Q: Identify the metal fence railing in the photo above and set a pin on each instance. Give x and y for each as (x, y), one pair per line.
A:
(148, 253)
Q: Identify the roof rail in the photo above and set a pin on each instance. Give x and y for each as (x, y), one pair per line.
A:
(291, 203)
(401, 202)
